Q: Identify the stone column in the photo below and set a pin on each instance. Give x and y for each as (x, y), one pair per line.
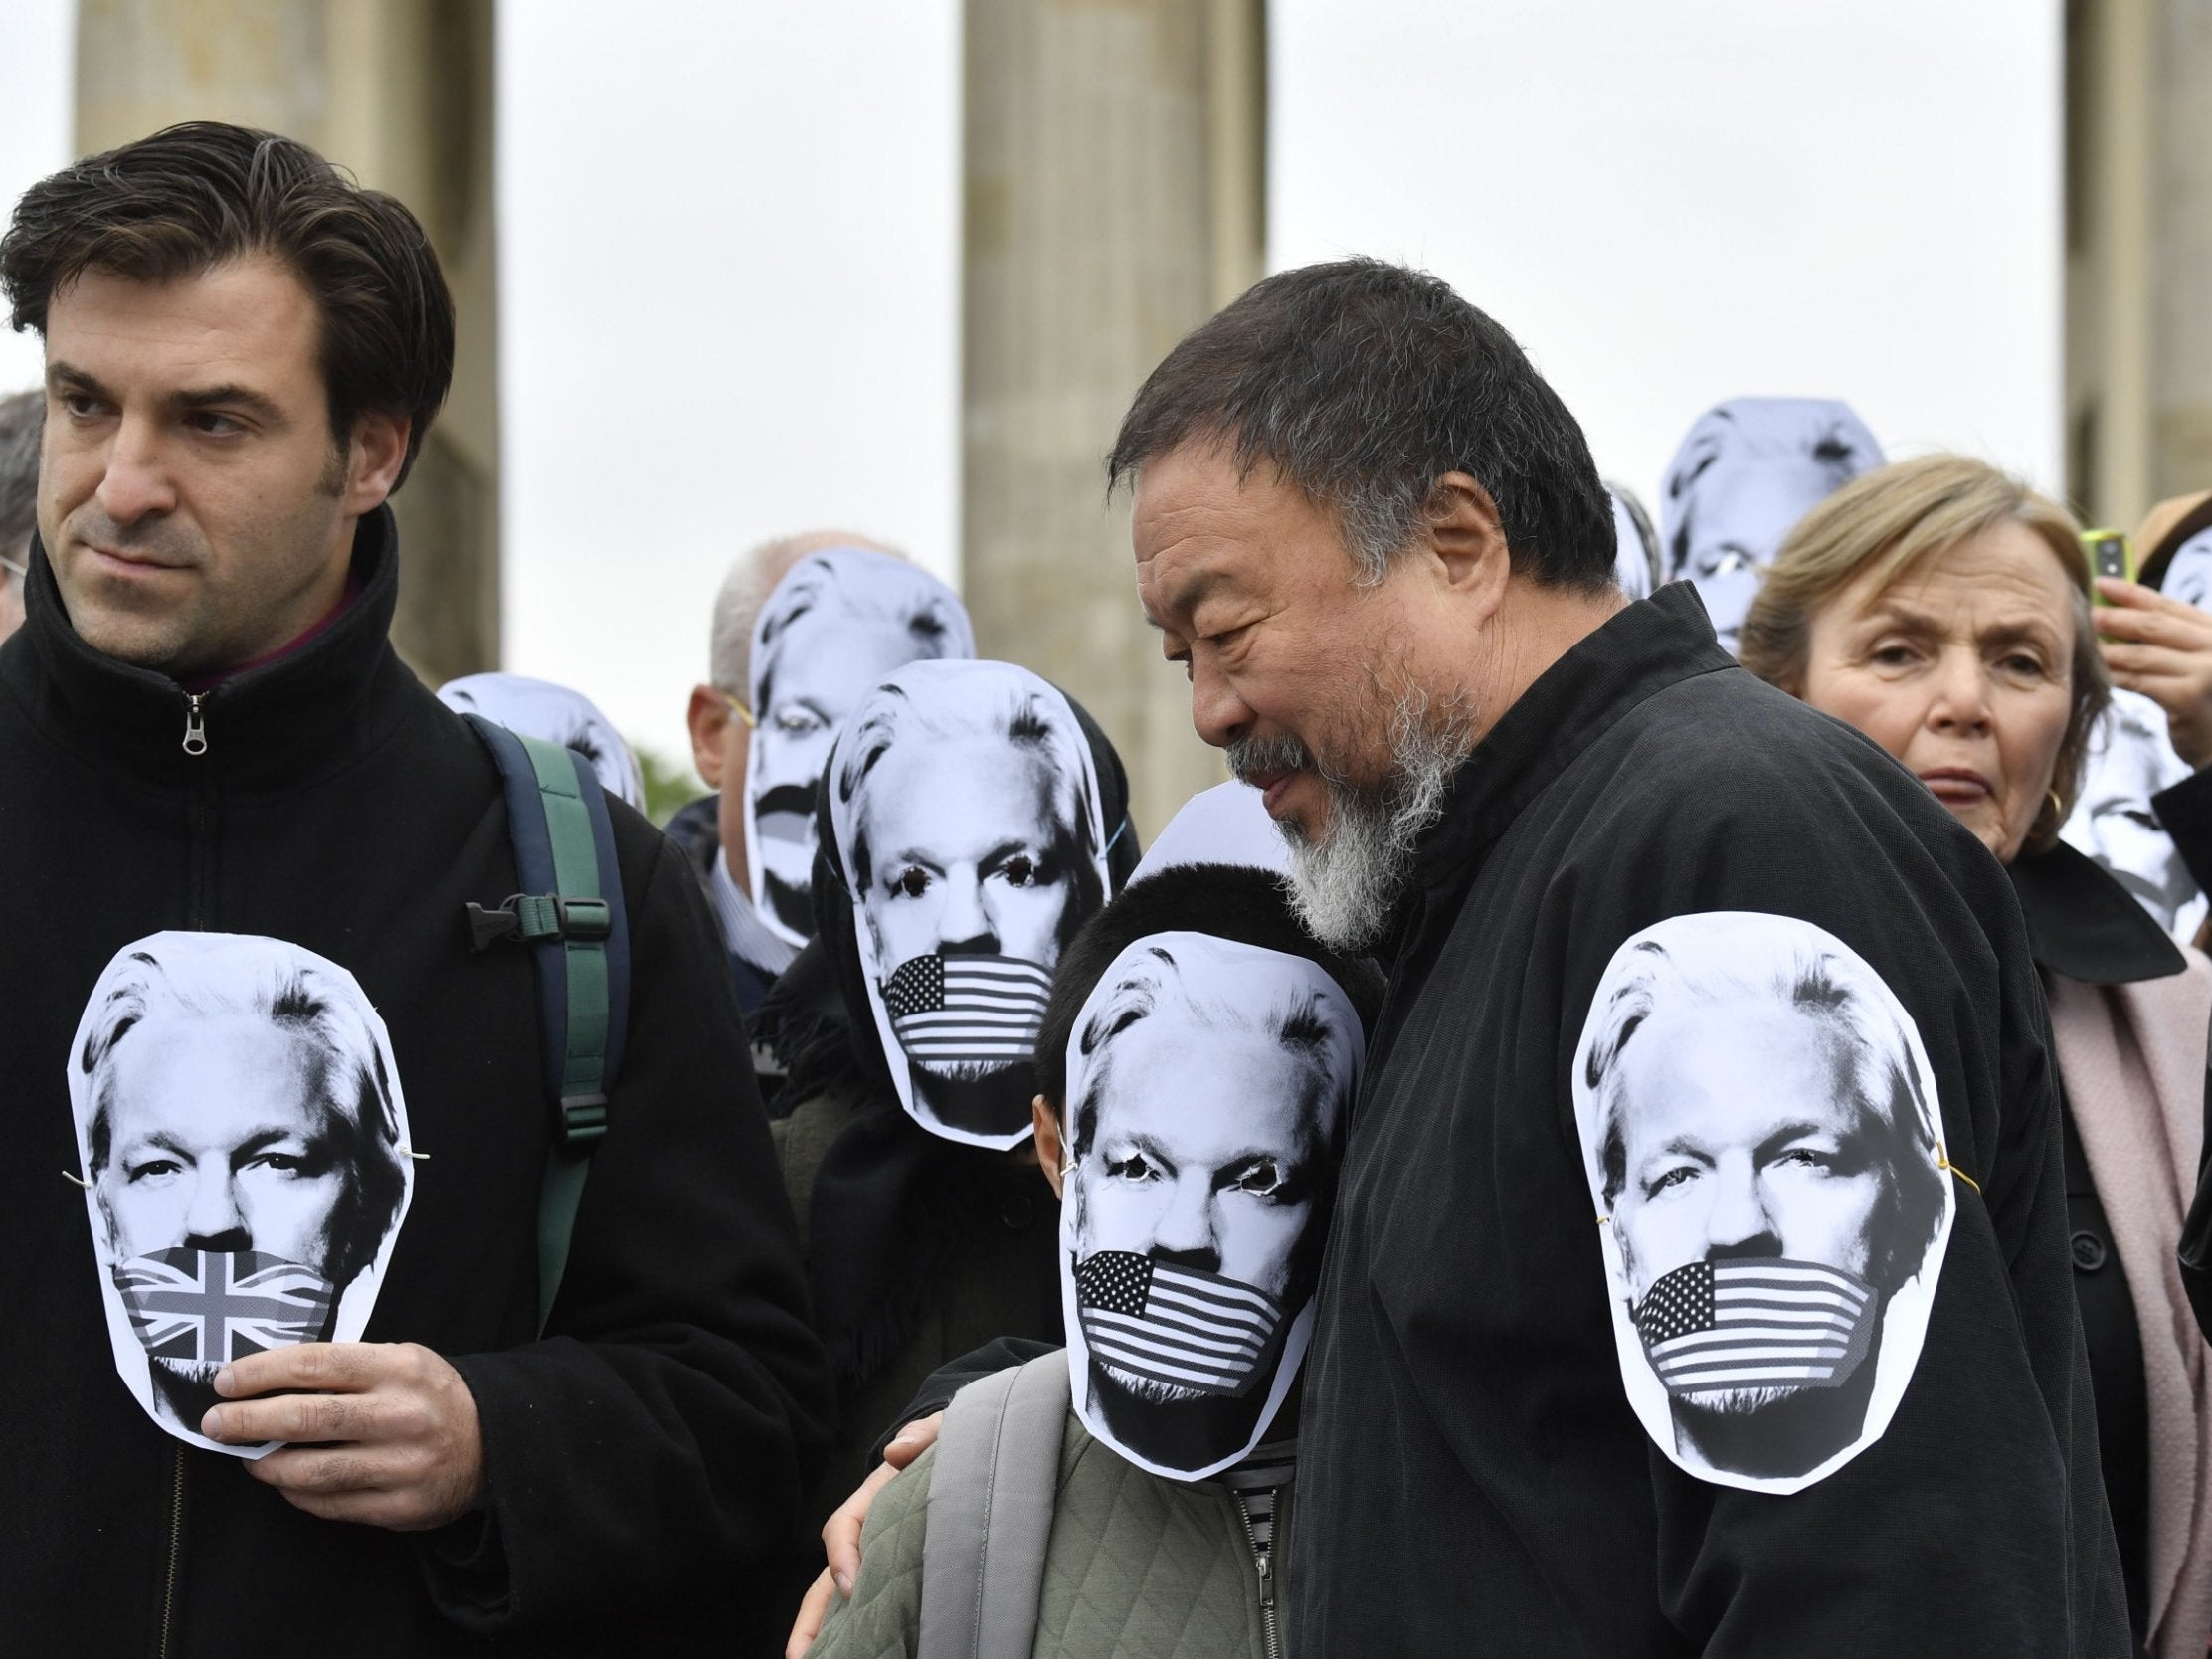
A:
(399, 92)
(2138, 252)
(1114, 198)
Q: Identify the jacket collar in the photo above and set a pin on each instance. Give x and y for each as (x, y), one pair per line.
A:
(303, 715)
(1649, 646)
(2082, 925)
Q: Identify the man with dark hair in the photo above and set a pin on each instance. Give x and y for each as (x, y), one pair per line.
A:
(205, 732)
(20, 419)
(1373, 539)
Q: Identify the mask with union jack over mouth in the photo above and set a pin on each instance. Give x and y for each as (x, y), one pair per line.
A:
(966, 826)
(210, 1307)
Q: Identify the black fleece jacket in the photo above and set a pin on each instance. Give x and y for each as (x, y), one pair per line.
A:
(648, 1449)
(1473, 1477)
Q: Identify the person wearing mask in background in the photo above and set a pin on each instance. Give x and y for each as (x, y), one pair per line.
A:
(205, 735)
(1194, 1068)
(1373, 541)
(1748, 470)
(540, 708)
(836, 642)
(1943, 609)
(2145, 805)
(21, 417)
(972, 819)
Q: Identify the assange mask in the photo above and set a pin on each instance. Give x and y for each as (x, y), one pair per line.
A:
(1761, 1134)
(245, 1156)
(206, 1307)
(838, 621)
(1208, 1084)
(540, 708)
(1746, 472)
(1224, 824)
(964, 801)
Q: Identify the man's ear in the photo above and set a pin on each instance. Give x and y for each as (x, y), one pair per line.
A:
(1467, 540)
(375, 452)
(1049, 1149)
(709, 717)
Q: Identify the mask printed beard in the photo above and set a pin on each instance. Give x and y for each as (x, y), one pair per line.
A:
(1345, 886)
(196, 1310)
(1168, 1333)
(1734, 1336)
(967, 1017)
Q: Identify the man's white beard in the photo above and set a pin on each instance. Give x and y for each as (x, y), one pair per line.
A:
(1345, 886)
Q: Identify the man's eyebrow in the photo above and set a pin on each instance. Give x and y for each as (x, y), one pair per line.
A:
(64, 374)
(232, 397)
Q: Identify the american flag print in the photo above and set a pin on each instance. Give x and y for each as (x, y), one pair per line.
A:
(1762, 1323)
(967, 1009)
(210, 1306)
(1173, 1324)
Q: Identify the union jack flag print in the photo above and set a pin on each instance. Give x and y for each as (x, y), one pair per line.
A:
(1174, 1324)
(210, 1306)
(1755, 1324)
(967, 1009)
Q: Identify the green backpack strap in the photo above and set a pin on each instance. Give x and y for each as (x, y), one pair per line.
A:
(571, 917)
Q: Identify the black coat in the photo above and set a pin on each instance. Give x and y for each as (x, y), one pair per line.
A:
(1473, 1478)
(642, 1453)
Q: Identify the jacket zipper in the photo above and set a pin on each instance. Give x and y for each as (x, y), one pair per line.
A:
(176, 1551)
(195, 745)
(1270, 1640)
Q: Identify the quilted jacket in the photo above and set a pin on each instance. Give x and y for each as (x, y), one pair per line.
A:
(1137, 1568)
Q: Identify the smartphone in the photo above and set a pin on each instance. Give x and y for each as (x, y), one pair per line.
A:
(2108, 555)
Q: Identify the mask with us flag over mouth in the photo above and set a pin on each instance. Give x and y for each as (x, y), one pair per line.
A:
(963, 809)
(1759, 1131)
(1208, 1084)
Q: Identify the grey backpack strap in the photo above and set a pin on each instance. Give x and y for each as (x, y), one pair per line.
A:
(991, 1500)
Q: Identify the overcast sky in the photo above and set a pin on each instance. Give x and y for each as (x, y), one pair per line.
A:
(730, 251)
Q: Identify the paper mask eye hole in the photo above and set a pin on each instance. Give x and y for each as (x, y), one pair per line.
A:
(796, 721)
(1134, 1167)
(910, 882)
(1021, 870)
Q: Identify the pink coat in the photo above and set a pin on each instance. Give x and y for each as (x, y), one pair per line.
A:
(2134, 1060)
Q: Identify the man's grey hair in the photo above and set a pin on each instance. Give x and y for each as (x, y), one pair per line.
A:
(1362, 384)
(266, 979)
(737, 605)
(22, 417)
(1767, 961)
(1310, 1027)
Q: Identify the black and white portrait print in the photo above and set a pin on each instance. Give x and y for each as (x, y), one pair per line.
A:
(1224, 824)
(1636, 563)
(965, 803)
(1759, 1129)
(1208, 1084)
(2189, 573)
(1751, 469)
(836, 624)
(2129, 760)
(245, 1151)
(540, 708)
